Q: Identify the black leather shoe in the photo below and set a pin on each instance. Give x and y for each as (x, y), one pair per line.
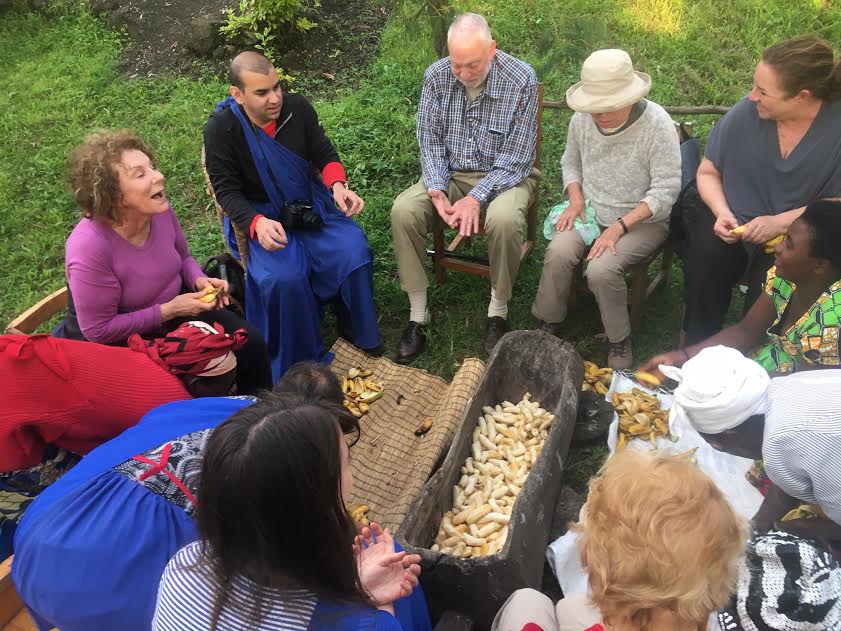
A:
(495, 328)
(412, 343)
(552, 328)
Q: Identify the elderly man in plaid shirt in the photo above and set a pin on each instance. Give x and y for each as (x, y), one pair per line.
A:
(477, 130)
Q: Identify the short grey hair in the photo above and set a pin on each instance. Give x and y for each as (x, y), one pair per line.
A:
(470, 23)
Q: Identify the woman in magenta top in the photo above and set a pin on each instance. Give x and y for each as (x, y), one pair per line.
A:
(128, 266)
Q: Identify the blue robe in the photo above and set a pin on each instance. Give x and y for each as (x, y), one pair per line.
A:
(286, 288)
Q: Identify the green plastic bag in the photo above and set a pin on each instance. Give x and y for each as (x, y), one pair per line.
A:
(588, 229)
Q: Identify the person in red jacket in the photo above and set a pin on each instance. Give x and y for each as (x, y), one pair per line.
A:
(76, 395)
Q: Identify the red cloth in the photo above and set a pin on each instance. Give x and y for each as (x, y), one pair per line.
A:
(271, 128)
(189, 349)
(253, 225)
(75, 395)
(333, 172)
(531, 626)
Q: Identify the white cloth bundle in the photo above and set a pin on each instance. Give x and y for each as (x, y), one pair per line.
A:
(719, 389)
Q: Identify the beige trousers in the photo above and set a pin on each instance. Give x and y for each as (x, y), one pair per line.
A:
(605, 275)
(413, 216)
(573, 613)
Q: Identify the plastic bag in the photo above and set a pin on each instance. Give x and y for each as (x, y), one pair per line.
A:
(588, 229)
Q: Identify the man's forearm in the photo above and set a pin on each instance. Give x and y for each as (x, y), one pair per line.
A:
(787, 218)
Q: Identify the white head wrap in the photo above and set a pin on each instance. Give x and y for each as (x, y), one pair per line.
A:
(719, 389)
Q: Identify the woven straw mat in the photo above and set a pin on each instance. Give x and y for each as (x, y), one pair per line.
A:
(390, 464)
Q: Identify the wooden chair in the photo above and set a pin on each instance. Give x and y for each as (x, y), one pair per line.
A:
(241, 237)
(13, 615)
(29, 321)
(444, 258)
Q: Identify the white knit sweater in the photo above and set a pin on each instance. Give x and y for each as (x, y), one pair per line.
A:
(617, 172)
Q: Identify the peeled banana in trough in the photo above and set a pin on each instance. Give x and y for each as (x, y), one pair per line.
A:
(596, 379)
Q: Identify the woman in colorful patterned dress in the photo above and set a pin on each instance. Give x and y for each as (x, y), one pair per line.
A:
(794, 324)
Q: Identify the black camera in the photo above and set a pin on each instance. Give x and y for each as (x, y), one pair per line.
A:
(299, 215)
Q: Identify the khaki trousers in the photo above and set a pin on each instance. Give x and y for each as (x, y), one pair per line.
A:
(413, 216)
(605, 275)
(572, 613)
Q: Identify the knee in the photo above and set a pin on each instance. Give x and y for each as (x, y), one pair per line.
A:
(403, 215)
(503, 224)
(600, 272)
(561, 254)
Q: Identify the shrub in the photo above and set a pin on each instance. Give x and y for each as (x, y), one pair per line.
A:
(260, 20)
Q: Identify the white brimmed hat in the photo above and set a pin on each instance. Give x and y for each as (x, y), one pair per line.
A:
(608, 82)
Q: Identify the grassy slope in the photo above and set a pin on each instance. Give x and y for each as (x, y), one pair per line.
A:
(57, 81)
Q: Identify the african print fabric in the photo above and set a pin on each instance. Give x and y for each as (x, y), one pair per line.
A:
(812, 340)
(171, 470)
(19, 488)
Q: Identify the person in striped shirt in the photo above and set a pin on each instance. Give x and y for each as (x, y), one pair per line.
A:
(277, 547)
(792, 422)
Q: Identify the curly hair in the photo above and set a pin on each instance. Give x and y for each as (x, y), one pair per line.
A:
(657, 534)
(92, 175)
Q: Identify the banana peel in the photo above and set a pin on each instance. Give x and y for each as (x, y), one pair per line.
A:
(360, 391)
(596, 379)
(771, 244)
(359, 513)
(647, 378)
(210, 294)
(640, 417)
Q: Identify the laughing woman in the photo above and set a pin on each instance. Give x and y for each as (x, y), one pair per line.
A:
(127, 263)
(794, 324)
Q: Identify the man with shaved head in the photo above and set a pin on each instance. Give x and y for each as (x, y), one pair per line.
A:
(477, 130)
(280, 181)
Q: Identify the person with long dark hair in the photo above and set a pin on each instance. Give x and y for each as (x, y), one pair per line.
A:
(276, 543)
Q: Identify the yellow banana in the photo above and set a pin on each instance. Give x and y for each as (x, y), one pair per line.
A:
(210, 294)
(770, 244)
(738, 230)
(647, 378)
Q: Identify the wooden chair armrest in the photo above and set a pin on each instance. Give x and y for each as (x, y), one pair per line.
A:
(27, 322)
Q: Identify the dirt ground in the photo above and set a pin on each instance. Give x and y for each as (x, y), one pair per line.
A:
(163, 36)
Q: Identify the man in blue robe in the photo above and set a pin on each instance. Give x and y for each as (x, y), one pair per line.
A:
(266, 152)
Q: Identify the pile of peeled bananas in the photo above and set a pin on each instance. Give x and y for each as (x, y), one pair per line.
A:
(640, 416)
(596, 379)
(360, 391)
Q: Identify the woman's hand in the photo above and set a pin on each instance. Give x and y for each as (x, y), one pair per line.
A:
(724, 223)
(761, 229)
(567, 219)
(204, 283)
(672, 358)
(385, 574)
(606, 241)
(185, 305)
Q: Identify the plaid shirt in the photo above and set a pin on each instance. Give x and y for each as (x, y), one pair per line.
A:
(495, 134)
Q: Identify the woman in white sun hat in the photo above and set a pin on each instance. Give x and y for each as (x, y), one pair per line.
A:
(621, 173)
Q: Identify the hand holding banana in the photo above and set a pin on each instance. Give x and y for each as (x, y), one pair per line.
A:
(770, 244)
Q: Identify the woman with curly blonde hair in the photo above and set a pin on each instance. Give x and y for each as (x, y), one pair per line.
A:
(127, 263)
(660, 544)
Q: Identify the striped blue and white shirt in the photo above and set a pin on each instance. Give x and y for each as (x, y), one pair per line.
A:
(187, 592)
(802, 443)
(494, 134)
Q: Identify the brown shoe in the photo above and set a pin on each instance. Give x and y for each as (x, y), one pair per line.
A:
(495, 328)
(620, 356)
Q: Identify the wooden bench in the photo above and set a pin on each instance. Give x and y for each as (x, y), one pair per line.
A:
(29, 321)
(449, 257)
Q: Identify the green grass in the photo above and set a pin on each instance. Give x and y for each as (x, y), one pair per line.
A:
(58, 80)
